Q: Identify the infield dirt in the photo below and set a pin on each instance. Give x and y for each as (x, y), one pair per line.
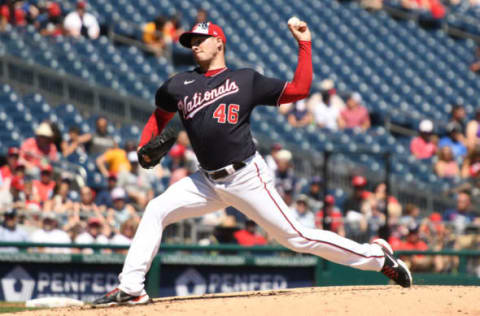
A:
(357, 300)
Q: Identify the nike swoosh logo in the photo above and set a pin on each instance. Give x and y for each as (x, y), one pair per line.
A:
(395, 263)
(188, 82)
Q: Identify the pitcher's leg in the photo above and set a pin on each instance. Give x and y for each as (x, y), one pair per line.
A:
(189, 197)
(263, 204)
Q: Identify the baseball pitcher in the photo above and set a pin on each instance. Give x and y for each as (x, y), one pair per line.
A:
(214, 104)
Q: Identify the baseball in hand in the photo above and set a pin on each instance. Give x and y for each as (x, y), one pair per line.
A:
(294, 21)
(297, 24)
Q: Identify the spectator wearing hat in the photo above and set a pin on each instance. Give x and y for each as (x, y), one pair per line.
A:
(359, 196)
(92, 234)
(9, 231)
(285, 179)
(315, 193)
(249, 236)
(121, 210)
(136, 182)
(7, 171)
(81, 23)
(113, 161)
(299, 114)
(302, 213)
(104, 197)
(50, 23)
(423, 146)
(334, 220)
(414, 242)
(454, 140)
(473, 131)
(270, 159)
(45, 186)
(49, 233)
(125, 235)
(36, 151)
(355, 115)
(326, 106)
(446, 166)
(354, 220)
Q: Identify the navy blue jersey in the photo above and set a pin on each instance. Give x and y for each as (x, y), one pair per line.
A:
(215, 111)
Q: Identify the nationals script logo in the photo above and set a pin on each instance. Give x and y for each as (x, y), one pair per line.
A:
(190, 106)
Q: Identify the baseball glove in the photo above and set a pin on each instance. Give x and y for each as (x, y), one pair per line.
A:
(152, 152)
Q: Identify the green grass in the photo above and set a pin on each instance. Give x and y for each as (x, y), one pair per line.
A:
(12, 307)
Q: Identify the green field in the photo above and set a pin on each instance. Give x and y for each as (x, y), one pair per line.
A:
(12, 307)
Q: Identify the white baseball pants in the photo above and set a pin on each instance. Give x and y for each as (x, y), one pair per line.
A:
(251, 191)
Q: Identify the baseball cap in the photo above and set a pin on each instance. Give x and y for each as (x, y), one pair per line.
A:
(54, 9)
(81, 4)
(46, 168)
(284, 155)
(302, 198)
(13, 151)
(330, 199)
(426, 126)
(118, 194)
(132, 156)
(44, 129)
(206, 28)
(94, 221)
(326, 84)
(359, 181)
(177, 151)
(49, 215)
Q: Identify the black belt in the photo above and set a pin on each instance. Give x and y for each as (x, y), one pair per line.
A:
(222, 173)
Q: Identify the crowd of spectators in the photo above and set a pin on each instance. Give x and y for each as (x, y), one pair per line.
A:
(453, 151)
(325, 108)
(49, 18)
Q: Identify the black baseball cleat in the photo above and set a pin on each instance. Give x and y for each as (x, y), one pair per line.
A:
(394, 268)
(118, 297)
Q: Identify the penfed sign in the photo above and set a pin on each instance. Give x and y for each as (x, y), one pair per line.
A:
(83, 282)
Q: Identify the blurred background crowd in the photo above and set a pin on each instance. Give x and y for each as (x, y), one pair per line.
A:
(43, 202)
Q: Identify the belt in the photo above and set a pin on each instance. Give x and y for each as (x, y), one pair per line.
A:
(226, 171)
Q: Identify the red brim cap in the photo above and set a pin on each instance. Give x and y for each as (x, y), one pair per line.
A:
(206, 29)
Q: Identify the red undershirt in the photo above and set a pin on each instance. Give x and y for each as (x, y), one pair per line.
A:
(295, 90)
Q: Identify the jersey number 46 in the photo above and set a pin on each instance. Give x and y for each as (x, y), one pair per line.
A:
(224, 113)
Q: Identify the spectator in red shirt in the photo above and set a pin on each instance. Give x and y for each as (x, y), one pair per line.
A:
(355, 115)
(13, 13)
(413, 242)
(248, 236)
(38, 150)
(45, 186)
(8, 169)
(334, 220)
(423, 146)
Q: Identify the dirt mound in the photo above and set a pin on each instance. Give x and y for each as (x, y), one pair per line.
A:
(357, 300)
